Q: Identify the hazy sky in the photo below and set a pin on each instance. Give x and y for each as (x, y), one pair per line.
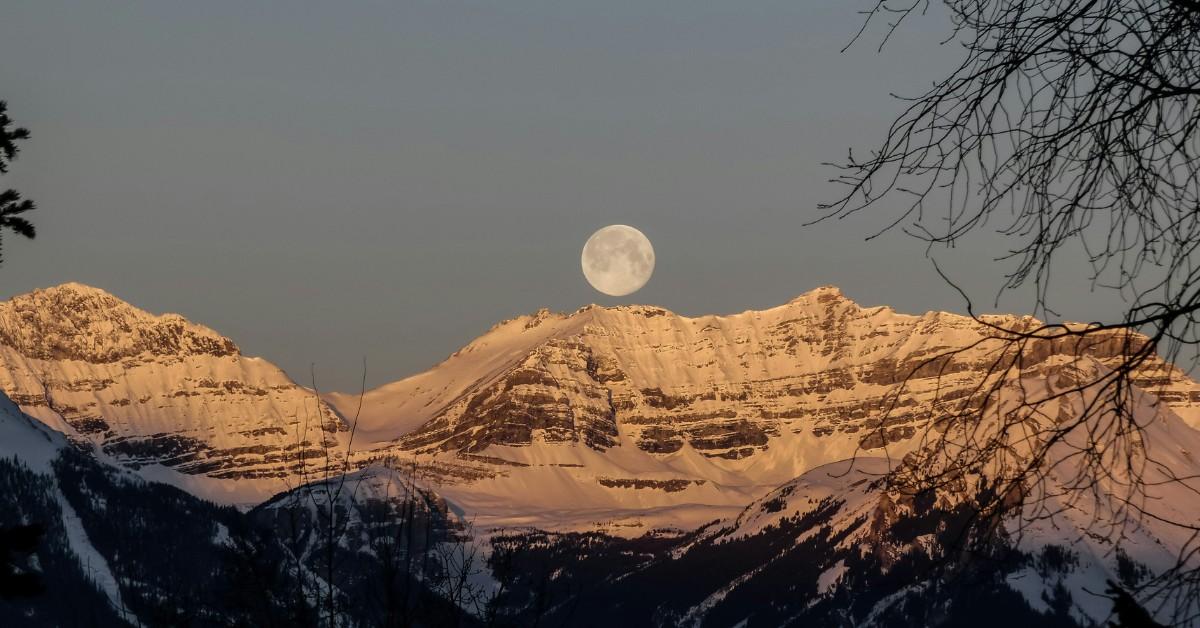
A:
(324, 182)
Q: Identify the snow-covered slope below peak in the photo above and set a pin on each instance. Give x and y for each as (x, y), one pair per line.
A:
(852, 481)
(400, 407)
(27, 439)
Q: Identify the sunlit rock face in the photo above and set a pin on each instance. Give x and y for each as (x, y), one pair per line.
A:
(726, 386)
(150, 389)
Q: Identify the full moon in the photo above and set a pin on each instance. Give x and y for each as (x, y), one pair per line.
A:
(618, 260)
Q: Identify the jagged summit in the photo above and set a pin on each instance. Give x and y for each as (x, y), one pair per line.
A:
(828, 292)
(75, 287)
(821, 295)
(74, 321)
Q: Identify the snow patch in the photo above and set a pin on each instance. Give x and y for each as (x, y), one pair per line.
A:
(830, 577)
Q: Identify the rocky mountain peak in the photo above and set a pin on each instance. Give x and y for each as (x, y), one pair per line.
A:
(821, 294)
(148, 389)
(74, 321)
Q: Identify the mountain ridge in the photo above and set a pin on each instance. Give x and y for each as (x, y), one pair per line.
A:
(566, 323)
(627, 427)
(627, 415)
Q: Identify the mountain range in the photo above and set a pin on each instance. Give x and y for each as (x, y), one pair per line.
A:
(719, 460)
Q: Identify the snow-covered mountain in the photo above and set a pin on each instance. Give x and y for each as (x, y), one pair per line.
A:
(608, 450)
(633, 417)
(618, 418)
(159, 392)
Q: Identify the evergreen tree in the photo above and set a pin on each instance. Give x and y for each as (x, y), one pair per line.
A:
(11, 203)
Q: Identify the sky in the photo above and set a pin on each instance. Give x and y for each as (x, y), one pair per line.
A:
(328, 183)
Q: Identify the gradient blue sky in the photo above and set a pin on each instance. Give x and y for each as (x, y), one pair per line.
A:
(324, 182)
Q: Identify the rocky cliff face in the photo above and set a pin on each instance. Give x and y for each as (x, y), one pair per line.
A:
(155, 390)
(724, 385)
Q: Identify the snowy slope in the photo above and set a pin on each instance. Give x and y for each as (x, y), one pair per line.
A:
(27, 439)
(36, 447)
(400, 407)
